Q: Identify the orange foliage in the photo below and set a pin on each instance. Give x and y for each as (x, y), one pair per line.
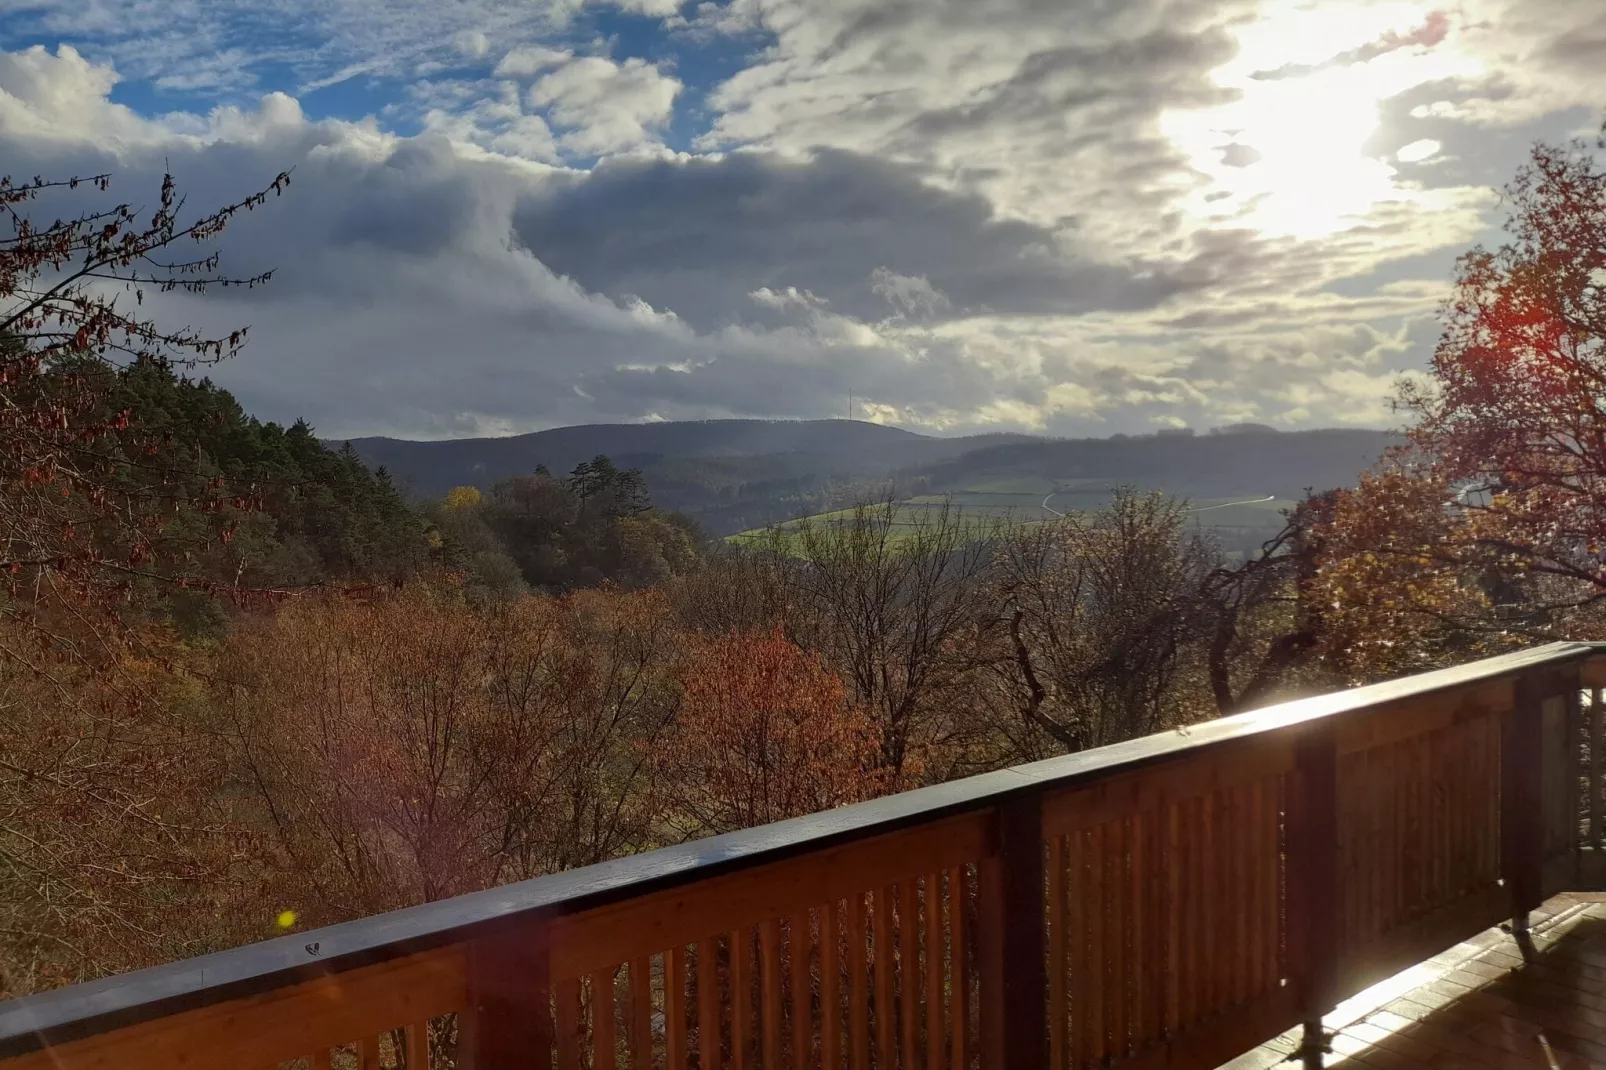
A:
(414, 747)
(765, 733)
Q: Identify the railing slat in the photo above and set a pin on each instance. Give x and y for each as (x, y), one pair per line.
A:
(1097, 987)
(830, 988)
(675, 1007)
(798, 936)
(1596, 723)
(741, 971)
(604, 1021)
(769, 953)
(858, 983)
(1059, 945)
(959, 974)
(932, 958)
(708, 1004)
(885, 1010)
(908, 969)
(571, 1030)
(641, 1014)
(417, 1046)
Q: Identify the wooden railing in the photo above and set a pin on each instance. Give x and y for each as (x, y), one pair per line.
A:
(1172, 901)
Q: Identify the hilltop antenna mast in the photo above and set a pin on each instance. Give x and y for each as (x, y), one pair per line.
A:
(850, 406)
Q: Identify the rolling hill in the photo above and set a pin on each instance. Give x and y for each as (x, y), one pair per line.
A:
(735, 475)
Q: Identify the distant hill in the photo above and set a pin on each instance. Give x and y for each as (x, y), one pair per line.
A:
(729, 474)
(734, 475)
(1194, 466)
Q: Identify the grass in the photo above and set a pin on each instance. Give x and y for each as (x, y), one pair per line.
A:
(1021, 501)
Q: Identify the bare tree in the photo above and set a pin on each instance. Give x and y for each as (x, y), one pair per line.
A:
(1103, 618)
(889, 593)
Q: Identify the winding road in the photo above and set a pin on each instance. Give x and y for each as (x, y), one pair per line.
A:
(1203, 509)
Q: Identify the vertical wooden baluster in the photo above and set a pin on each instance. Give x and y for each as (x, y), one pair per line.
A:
(1595, 765)
(1012, 928)
(769, 953)
(570, 1028)
(1443, 780)
(1137, 982)
(885, 1011)
(1242, 897)
(931, 955)
(1455, 808)
(741, 952)
(1522, 825)
(1058, 944)
(1175, 860)
(908, 974)
(958, 968)
(1097, 952)
(799, 937)
(708, 1004)
(830, 988)
(1210, 859)
(1272, 876)
(508, 1020)
(858, 983)
(1119, 961)
(417, 1048)
(1152, 1011)
(1081, 990)
(675, 1006)
(641, 1014)
(1256, 860)
(1391, 795)
(604, 1016)
(1313, 879)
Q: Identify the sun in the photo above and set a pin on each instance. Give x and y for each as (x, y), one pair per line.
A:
(1289, 156)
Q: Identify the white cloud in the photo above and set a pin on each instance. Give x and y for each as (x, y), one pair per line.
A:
(1417, 151)
(606, 106)
(530, 60)
(472, 43)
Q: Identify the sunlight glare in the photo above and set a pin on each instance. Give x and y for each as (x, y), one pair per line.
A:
(1289, 157)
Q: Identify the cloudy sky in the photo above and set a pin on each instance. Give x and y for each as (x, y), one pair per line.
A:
(1072, 217)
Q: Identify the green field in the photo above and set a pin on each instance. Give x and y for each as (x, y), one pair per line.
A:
(1246, 519)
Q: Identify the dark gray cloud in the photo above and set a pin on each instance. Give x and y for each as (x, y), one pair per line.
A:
(699, 235)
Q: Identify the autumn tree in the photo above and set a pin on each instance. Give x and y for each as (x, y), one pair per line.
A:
(86, 494)
(1102, 615)
(1487, 528)
(110, 823)
(416, 746)
(765, 732)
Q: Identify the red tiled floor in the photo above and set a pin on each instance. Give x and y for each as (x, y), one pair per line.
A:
(1490, 1003)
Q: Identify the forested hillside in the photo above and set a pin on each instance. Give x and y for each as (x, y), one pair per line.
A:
(735, 475)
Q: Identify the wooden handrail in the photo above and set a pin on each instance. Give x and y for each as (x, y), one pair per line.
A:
(1202, 885)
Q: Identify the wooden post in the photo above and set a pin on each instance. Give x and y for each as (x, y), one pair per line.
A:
(1522, 825)
(1313, 881)
(1013, 944)
(508, 1022)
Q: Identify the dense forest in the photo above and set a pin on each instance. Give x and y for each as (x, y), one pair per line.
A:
(248, 686)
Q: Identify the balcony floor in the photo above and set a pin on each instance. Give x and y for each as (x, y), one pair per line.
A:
(1490, 1003)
